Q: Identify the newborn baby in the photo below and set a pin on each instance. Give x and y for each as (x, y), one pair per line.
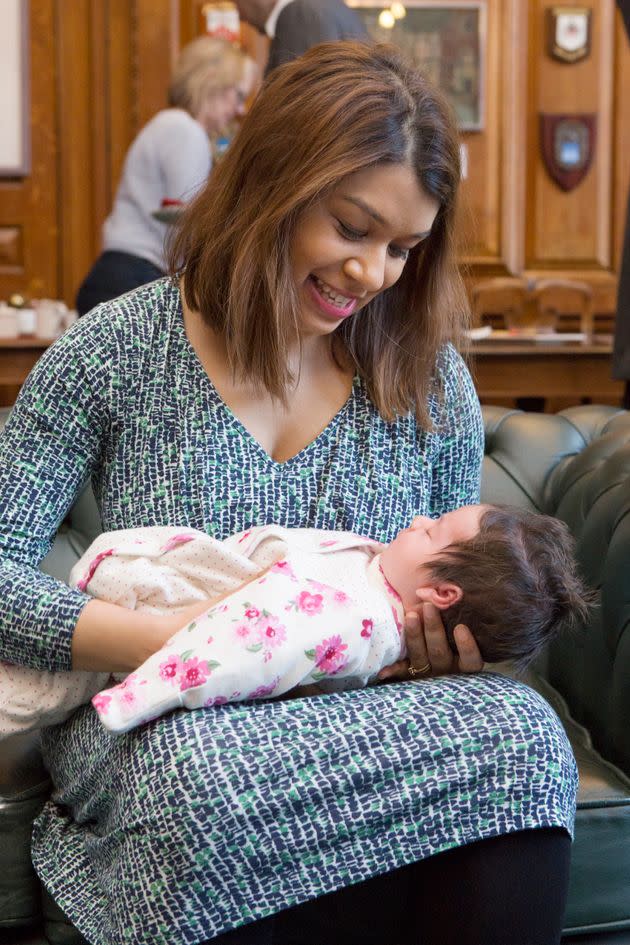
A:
(296, 607)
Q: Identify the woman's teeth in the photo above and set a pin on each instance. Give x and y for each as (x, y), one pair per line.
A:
(341, 301)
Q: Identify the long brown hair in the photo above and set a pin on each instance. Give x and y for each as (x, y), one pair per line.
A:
(337, 109)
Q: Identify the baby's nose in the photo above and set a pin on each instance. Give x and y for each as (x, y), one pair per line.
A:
(420, 520)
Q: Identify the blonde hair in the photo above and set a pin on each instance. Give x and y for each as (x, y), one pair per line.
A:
(339, 108)
(205, 66)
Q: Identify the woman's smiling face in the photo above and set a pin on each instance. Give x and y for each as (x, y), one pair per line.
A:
(353, 244)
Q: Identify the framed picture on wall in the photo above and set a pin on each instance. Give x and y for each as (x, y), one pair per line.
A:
(14, 90)
(446, 39)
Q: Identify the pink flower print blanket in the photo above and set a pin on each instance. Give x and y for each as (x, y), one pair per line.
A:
(303, 606)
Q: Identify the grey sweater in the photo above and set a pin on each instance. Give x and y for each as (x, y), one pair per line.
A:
(169, 158)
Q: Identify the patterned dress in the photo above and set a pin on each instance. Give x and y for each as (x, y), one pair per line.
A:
(202, 821)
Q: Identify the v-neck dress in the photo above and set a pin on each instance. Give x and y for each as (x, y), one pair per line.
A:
(202, 821)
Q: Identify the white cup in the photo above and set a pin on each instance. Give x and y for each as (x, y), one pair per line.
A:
(8, 321)
(26, 321)
(48, 322)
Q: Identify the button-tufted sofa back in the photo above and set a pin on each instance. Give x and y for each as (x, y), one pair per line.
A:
(576, 465)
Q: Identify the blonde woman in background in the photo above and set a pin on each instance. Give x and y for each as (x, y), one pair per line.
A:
(170, 159)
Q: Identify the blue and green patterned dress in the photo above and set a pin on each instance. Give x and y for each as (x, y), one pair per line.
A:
(201, 821)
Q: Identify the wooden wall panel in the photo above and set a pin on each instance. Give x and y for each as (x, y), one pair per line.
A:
(28, 206)
(114, 61)
(81, 108)
(479, 238)
(621, 141)
(571, 226)
(100, 69)
(156, 29)
(122, 116)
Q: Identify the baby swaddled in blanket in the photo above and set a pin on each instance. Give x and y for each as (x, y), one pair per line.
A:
(293, 608)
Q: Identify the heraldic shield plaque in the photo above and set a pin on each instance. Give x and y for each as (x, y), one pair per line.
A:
(568, 33)
(568, 144)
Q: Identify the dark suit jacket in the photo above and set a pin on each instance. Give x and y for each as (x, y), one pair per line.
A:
(304, 23)
(621, 354)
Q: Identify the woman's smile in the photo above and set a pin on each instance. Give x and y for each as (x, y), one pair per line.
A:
(331, 302)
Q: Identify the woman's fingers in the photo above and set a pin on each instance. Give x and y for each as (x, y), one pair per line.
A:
(398, 670)
(414, 638)
(470, 660)
(427, 645)
(416, 650)
(439, 653)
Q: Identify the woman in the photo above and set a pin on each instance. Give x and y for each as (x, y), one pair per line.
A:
(168, 161)
(299, 371)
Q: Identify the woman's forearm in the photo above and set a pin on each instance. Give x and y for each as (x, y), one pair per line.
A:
(109, 638)
(112, 639)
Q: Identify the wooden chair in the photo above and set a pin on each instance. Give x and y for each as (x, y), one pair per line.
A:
(563, 305)
(499, 302)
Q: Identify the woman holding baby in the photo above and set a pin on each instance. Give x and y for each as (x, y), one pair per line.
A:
(301, 369)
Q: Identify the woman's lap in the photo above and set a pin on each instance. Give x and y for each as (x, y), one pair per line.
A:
(202, 821)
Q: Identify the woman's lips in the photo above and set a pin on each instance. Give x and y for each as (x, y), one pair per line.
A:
(318, 290)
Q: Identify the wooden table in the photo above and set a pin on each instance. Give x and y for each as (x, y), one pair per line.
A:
(17, 357)
(501, 369)
(545, 369)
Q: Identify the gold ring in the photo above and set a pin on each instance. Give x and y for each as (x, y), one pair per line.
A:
(419, 670)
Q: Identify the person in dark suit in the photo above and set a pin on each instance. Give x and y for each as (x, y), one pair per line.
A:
(621, 353)
(293, 26)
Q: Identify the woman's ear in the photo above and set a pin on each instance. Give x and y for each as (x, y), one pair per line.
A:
(442, 594)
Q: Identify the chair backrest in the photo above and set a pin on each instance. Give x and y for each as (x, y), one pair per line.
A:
(576, 465)
(499, 302)
(563, 305)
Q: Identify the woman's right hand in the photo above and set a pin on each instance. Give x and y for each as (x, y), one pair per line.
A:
(108, 638)
(428, 651)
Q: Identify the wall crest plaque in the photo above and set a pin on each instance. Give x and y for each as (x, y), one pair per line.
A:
(569, 33)
(568, 144)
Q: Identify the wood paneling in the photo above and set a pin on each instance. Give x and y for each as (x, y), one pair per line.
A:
(571, 225)
(621, 139)
(100, 69)
(28, 206)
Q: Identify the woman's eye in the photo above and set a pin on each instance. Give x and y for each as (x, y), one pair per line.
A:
(349, 232)
(398, 252)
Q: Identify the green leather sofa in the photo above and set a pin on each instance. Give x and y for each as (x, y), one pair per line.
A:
(575, 465)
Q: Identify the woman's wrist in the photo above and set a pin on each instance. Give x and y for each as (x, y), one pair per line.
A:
(109, 638)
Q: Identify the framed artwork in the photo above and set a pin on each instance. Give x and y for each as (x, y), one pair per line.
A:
(14, 90)
(445, 39)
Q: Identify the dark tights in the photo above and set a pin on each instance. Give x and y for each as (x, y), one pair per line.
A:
(510, 889)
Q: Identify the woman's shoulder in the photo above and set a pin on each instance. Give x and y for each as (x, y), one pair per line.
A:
(453, 403)
(114, 328)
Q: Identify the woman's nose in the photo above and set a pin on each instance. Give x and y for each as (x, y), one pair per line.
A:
(367, 269)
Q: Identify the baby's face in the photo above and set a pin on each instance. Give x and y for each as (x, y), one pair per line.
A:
(404, 561)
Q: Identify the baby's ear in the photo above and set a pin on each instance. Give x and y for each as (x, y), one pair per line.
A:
(442, 594)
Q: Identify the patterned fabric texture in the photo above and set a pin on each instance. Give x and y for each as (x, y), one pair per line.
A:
(202, 821)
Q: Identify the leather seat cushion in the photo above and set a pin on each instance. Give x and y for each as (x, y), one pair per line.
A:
(599, 891)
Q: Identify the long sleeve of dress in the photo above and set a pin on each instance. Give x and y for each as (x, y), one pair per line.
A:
(48, 450)
(456, 474)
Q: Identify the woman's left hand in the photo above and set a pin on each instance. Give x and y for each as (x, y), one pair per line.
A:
(428, 651)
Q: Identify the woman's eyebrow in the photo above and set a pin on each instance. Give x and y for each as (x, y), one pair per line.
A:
(362, 205)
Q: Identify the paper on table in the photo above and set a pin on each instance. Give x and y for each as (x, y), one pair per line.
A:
(532, 336)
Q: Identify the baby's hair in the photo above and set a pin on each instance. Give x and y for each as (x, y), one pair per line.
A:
(520, 584)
